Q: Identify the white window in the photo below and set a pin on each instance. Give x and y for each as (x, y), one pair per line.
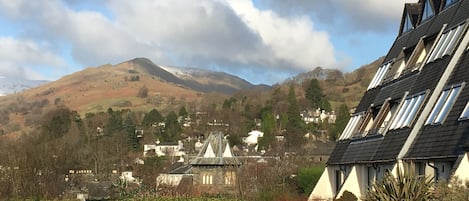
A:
(465, 113)
(443, 105)
(350, 127)
(379, 75)
(446, 43)
(407, 112)
(427, 10)
(207, 178)
(230, 178)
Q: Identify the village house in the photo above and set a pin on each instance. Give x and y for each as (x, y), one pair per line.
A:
(215, 168)
(173, 149)
(415, 111)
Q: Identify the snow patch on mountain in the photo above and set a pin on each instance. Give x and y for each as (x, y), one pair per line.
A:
(186, 73)
(15, 85)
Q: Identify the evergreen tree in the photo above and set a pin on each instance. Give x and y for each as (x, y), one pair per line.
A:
(152, 117)
(341, 121)
(295, 127)
(316, 97)
(267, 127)
(114, 123)
(129, 127)
(183, 112)
(172, 129)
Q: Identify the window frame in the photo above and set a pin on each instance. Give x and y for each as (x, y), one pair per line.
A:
(446, 43)
(444, 104)
(407, 112)
(465, 113)
(425, 14)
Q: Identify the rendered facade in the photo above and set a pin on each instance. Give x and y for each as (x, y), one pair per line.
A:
(415, 110)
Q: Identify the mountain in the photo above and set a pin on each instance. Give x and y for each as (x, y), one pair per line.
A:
(15, 85)
(197, 79)
(340, 87)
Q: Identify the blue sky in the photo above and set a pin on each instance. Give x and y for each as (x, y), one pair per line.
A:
(262, 41)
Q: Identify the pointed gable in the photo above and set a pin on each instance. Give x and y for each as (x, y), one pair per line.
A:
(409, 17)
(227, 152)
(209, 152)
(216, 151)
(428, 10)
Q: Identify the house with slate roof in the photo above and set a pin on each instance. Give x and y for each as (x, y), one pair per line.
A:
(415, 110)
(215, 168)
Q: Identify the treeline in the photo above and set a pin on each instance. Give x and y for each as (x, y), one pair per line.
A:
(34, 164)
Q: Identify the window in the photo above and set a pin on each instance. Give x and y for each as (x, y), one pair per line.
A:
(427, 11)
(379, 75)
(450, 2)
(338, 180)
(407, 112)
(207, 178)
(443, 105)
(446, 43)
(465, 113)
(371, 175)
(407, 24)
(230, 178)
(350, 127)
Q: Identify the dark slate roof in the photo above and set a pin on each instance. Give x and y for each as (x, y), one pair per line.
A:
(397, 46)
(180, 168)
(218, 144)
(461, 15)
(338, 152)
(430, 75)
(443, 17)
(366, 100)
(391, 145)
(449, 138)
(362, 150)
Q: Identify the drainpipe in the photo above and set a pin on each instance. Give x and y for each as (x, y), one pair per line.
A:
(437, 173)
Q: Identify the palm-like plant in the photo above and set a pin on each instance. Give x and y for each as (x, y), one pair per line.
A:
(407, 185)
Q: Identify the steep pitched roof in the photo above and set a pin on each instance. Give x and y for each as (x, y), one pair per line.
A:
(215, 151)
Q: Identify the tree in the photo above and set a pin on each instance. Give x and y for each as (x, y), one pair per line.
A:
(308, 177)
(295, 127)
(114, 123)
(56, 123)
(183, 112)
(316, 97)
(152, 117)
(172, 128)
(342, 119)
(129, 127)
(143, 92)
(268, 128)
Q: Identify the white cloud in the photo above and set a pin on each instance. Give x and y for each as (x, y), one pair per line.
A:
(23, 58)
(344, 15)
(231, 34)
(291, 40)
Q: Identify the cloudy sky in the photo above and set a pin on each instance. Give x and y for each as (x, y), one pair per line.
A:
(262, 41)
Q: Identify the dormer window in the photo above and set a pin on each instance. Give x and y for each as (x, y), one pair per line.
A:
(407, 24)
(407, 111)
(443, 105)
(446, 43)
(427, 10)
(450, 2)
(379, 75)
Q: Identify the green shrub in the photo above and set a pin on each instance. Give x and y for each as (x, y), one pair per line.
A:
(406, 186)
(308, 177)
(347, 196)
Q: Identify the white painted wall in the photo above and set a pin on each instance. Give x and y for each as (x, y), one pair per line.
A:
(462, 172)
